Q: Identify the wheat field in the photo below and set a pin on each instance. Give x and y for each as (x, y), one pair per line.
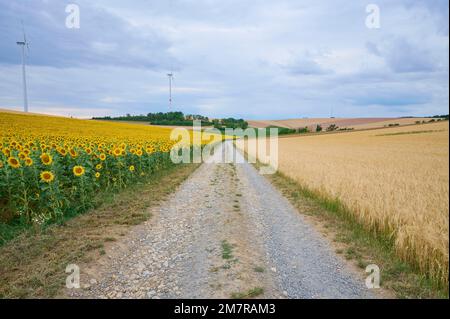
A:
(394, 180)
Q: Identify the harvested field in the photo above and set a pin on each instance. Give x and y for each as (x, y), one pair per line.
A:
(356, 123)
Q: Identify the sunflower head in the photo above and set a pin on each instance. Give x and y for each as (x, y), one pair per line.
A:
(46, 159)
(62, 151)
(28, 161)
(98, 167)
(97, 175)
(6, 151)
(47, 177)
(150, 149)
(78, 171)
(13, 162)
(131, 168)
(117, 152)
(102, 157)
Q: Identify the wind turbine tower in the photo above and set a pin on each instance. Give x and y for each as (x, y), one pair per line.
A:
(170, 75)
(24, 44)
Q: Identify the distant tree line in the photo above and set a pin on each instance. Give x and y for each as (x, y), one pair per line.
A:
(179, 119)
(444, 117)
(230, 122)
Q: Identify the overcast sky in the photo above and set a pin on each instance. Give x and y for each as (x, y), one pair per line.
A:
(256, 59)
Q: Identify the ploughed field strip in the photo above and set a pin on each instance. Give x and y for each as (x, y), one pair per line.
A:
(225, 233)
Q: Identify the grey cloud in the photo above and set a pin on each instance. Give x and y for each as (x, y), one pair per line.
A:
(403, 57)
(438, 9)
(102, 38)
(305, 66)
(258, 59)
(372, 48)
(390, 98)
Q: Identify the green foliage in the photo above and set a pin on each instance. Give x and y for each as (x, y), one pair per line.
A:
(27, 200)
(303, 130)
(179, 119)
(254, 292)
(227, 250)
(332, 127)
(230, 123)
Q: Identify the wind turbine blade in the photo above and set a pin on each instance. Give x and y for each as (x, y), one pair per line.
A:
(25, 37)
(23, 31)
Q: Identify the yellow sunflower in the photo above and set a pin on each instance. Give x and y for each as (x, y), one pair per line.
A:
(131, 168)
(117, 152)
(28, 161)
(98, 167)
(102, 157)
(79, 171)
(97, 175)
(62, 151)
(13, 162)
(46, 159)
(47, 177)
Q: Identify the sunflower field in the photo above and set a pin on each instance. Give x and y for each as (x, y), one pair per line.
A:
(53, 166)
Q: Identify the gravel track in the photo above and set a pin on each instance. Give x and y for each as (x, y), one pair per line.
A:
(226, 230)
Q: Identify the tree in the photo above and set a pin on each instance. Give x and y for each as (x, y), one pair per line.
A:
(332, 127)
(318, 128)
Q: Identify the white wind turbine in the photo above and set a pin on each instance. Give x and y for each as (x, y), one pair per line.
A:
(24, 44)
(170, 75)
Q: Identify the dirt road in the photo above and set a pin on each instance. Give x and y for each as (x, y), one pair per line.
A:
(227, 232)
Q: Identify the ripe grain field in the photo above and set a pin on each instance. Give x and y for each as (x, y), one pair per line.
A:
(394, 181)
